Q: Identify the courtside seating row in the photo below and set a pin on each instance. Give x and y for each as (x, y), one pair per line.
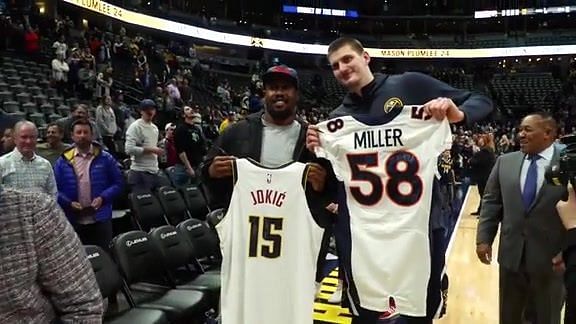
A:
(166, 206)
(169, 275)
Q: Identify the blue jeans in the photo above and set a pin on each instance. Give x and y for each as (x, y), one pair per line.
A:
(180, 176)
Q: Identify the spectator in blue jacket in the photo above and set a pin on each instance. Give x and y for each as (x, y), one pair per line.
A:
(88, 180)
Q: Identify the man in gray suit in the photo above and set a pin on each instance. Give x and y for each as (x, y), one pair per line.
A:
(532, 234)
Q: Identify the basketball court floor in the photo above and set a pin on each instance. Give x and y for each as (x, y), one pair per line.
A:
(473, 290)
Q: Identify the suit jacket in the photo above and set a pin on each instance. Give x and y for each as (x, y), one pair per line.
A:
(536, 234)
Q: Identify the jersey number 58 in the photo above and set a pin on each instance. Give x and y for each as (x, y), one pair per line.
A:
(401, 168)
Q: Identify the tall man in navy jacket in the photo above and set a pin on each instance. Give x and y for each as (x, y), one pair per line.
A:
(88, 180)
(374, 94)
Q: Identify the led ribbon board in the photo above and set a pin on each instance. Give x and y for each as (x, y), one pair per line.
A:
(139, 19)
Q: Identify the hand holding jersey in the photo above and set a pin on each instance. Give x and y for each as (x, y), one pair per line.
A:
(333, 208)
(271, 234)
(441, 108)
(386, 168)
(270, 242)
(316, 176)
(397, 163)
(438, 108)
(221, 167)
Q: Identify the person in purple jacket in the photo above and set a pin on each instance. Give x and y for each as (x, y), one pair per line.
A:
(88, 180)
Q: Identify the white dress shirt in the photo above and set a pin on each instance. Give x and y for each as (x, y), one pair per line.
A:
(542, 163)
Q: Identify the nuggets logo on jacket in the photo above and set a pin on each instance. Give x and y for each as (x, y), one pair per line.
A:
(392, 103)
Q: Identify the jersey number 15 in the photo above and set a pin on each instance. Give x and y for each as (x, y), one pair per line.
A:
(265, 237)
(401, 167)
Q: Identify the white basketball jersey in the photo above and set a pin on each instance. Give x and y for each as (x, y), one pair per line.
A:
(387, 170)
(270, 244)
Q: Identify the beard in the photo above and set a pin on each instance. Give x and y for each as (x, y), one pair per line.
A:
(280, 115)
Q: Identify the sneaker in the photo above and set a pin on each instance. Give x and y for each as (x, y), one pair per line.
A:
(336, 297)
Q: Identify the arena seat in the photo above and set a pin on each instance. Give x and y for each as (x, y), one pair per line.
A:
(173, 205)
(110, 282)
(195, 201)
(214, 217)
(146, 210)
(177, 255)
(138, 259)
(6, 96)
(38, 119)
(11, 106)
(205, 243)
(163, 179)
(30, 107)
(47, 108)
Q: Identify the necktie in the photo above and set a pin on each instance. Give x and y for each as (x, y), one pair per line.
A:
(530, 185)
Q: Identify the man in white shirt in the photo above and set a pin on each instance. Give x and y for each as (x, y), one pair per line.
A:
(532, 234)
(60, 71)
(60, 47)
(22, 169)
(142, 146)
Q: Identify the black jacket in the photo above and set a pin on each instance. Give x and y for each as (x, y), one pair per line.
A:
(412, 88)
(569, 256)
(244, 139)
(481, 165)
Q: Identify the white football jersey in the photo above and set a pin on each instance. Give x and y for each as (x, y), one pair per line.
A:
(386, 169)
(270, 244)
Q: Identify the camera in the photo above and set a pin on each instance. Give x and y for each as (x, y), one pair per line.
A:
(565, 170)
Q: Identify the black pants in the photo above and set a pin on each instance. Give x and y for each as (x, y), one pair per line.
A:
(519, 290)
(110, 144)
(366, 317)
(99, 234)
(324, 247)
(320, 263)
(570, 309)
(481, 188)
(371, 317)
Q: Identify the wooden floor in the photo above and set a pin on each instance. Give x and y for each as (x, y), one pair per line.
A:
(473, 290)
